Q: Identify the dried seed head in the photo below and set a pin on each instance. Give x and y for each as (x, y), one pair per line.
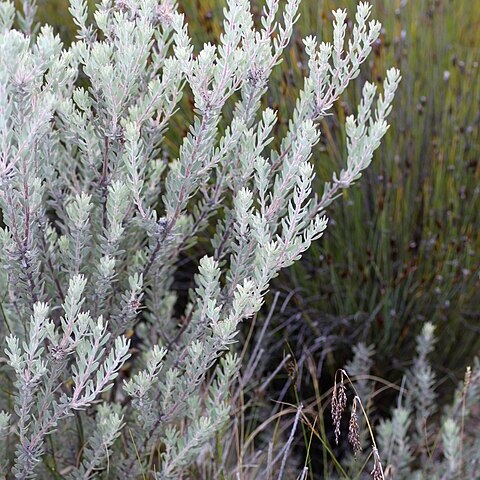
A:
(291, 368)
(57, 352)
(339, 402)
(162, 224)
(122, 5)
(255, 76)
(377, 472)
(354, 429)
(164, 14)
(467, 380)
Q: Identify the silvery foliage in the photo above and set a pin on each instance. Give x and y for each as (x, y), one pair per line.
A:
(449, 445)
(96, 215)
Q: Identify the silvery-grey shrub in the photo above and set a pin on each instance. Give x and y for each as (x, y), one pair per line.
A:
(420, 440)
(95, 216)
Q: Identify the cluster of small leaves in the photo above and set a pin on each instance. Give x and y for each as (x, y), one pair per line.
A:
(96, 215)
